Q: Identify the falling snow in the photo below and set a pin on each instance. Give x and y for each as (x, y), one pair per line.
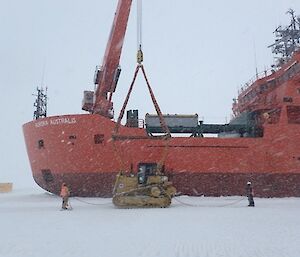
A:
(33, 225)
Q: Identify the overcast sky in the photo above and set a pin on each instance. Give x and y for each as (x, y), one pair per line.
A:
(196, 54)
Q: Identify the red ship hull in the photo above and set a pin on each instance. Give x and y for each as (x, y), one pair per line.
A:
(79, 150)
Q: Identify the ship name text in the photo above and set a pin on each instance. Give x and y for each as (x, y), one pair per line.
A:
(57, 121)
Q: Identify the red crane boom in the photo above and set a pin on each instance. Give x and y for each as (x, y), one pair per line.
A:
(106, 77)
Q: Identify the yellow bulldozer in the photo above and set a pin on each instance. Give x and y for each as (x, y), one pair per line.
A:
(147, 188)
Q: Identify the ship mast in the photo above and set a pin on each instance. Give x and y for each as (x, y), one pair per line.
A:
(40, 104)
(287, 40)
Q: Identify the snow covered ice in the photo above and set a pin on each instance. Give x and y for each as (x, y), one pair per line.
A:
(33, 226)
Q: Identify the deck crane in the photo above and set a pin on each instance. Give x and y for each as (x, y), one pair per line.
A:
(107, 75)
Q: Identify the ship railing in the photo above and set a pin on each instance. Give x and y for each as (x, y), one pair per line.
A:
(258, 76)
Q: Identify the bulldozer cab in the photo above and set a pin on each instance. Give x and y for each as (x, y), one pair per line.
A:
(144, 171)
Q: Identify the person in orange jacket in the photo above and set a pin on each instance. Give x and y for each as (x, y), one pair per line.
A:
(65, 193)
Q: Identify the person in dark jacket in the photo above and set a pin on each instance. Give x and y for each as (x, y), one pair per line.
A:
(250, 194)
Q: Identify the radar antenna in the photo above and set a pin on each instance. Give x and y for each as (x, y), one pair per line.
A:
(287, 39)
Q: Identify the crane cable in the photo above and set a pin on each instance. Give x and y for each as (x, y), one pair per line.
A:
(234, 202)
(140, 59)
(139, 23)
(139, 32)
(90, 203)
(139, 66)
